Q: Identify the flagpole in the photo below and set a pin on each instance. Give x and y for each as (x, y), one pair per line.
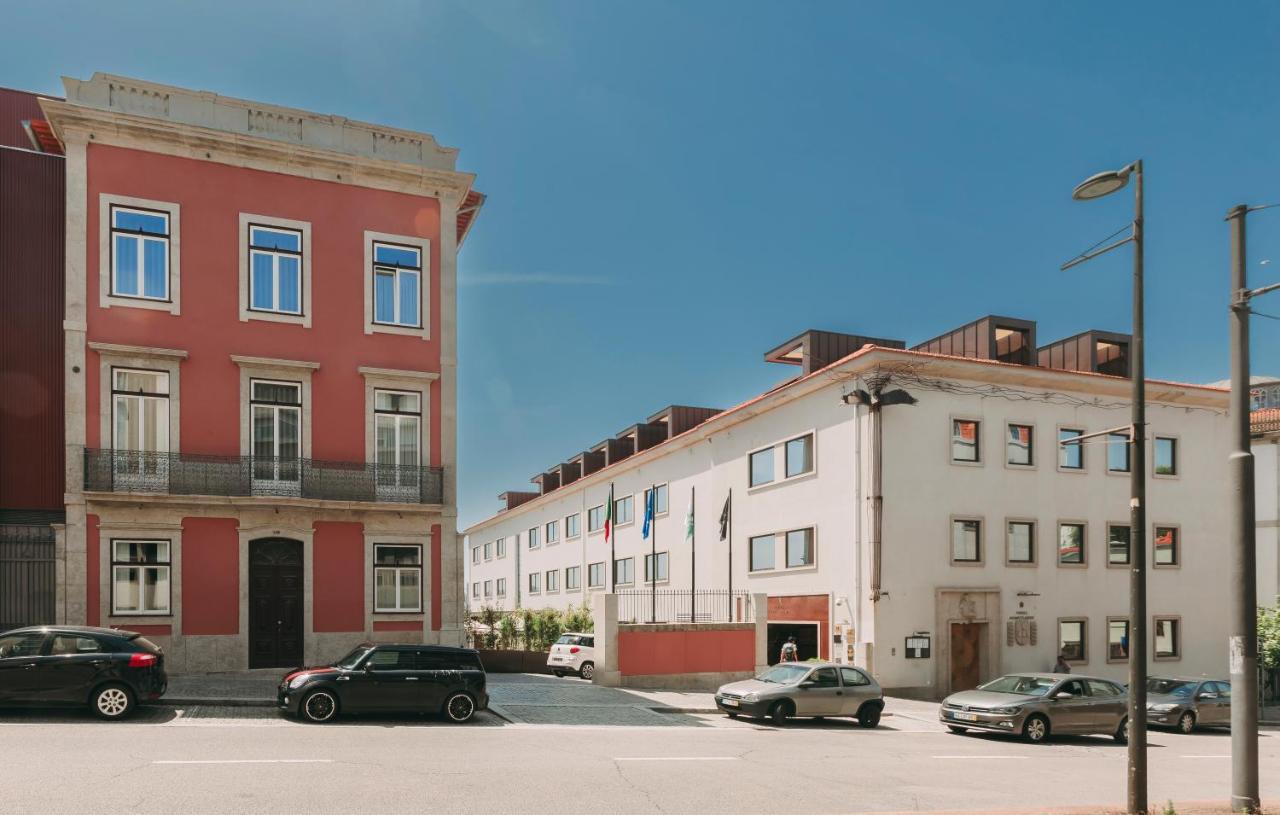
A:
(731, 554)
(613, 540)
(693, 557)
(652, 509)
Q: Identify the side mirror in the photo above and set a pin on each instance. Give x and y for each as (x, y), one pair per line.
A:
(1206, 695)
(1062, 694)
(368, 666)
(808, 683)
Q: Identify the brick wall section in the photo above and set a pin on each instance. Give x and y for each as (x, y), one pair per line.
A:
(804, 608)
(210, 576)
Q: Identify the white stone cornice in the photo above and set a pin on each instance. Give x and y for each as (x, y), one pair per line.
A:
(392, 373)
(267, 362)
(137, 351)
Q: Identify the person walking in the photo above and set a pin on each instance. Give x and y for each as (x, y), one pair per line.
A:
(1061, 666)
(790, 653)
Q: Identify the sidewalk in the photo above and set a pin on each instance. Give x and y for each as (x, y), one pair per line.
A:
(1181, 807)
(232, 688)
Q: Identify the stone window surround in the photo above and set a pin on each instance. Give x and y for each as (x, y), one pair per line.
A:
(979, 432)
(1177, 456)
(779, 553)
(109, 531)
(285, 370)
(982, 540)
(1084, 450)
(166, 360)
(1177, 637)
(780, 477)
(1084, 638)
(246, 313)
(424, 540)
(424, 285)
(1035, 452)
(1083, 523)
(1120, 618)
(1129, 562)
(376, 379)
(1035, 543)
(1177, 546)
(105, 298)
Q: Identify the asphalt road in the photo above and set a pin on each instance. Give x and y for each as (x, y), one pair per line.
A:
(249, 760)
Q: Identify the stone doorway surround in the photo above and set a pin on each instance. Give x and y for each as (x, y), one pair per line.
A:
(967, 605)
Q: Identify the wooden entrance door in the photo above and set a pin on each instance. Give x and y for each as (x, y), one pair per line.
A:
(965, 657)
(275, 603)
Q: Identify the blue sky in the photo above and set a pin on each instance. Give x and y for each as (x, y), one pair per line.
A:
(677, 187)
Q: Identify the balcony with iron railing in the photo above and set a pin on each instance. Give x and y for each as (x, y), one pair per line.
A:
(195, 474)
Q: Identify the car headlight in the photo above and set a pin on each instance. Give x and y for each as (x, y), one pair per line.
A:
(751, 697)
(298, 681)
(1160, 708)
(1006, 711)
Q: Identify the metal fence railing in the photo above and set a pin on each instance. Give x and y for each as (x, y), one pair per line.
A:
(684, 606)
(28, 574)
(196, 474)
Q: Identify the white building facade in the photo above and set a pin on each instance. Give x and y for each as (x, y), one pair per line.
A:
(997, 549)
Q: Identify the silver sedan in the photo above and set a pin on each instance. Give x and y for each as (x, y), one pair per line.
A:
(1035, 705)
(816, 689)
(1188, 703)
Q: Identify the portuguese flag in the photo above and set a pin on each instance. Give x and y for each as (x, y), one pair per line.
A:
(608, 515)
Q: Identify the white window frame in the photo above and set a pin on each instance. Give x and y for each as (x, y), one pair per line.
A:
(663, 492)
(596, 530)
(631, 503)
(664, 565)
(247, 312)
(551, 533)
(107, 298)
(576, 573)
(577, 519)
(603, 576)
(164, 567)
(401, 484)
(423, 246)
(551, 581)
(535, 582)
(488, 551)
(274, 483)
(628, 559)
(500, 587)
(534, 537)
(501, 547)
(396, 572)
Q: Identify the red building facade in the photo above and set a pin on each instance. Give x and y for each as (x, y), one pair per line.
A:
(260, 375)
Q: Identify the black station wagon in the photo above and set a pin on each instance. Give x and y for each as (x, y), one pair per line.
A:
(378, 678)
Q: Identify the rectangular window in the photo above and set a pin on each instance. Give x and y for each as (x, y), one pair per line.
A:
(397, 417)
(1071, 640)
(553, 531)
(573, 578)
(502, 587)
(1070, 456)
(1071, 544)
(966, 541)
(1166, 456)
(553, 580)
(1167, 546)
(475, 554)
(397, 577)
(502, 547)
(1117, 640)
(139, 253)
(1118, 452)
(799, 455)
(140, 429)
(761, 466)
(475, 589)
(1020, 540)
(1168, 644)
(275, 269)
(397, 285)
(595, 575)
(966, 434)
(276, 415)
(762, 558)
(533, 535)
(624, 510)
(595, 519)
(800, 548)
(139, 577)
(1020, 445)
(662, 567)
(1118, 541)
(488, 588)
(624, 572)
(488, 551)
(573, 525)
(659, 501)
(535, 582)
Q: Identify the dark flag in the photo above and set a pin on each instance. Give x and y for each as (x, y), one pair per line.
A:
(724, 518)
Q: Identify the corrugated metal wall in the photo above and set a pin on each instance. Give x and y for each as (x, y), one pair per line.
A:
(31, 311)
(15, 108)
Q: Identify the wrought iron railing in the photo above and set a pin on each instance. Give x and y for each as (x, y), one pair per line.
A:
(684, 606)
(197, 474)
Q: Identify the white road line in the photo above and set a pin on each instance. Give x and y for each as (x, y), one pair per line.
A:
(1204, 756)
(252, 761)
(675, 758)
(965, 758)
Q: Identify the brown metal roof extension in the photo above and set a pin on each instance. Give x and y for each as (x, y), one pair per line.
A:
(813, 350)
(1004, 339)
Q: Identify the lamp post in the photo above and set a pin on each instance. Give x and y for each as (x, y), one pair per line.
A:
(1097, 186)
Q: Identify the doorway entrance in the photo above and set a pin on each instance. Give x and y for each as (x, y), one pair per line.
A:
(275, 603)
(966, 655)
(806, 635)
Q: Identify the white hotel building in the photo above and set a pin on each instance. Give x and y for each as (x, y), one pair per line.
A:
(997, 548)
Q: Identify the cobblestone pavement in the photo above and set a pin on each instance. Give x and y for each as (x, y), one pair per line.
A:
(539, 699)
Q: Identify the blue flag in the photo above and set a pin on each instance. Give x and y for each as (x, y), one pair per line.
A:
(648, 512)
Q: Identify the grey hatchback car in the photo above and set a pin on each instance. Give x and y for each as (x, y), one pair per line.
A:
(816, 689)
(1035, 705)
(1188, 703)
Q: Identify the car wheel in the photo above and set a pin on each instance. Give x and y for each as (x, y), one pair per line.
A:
(1187, 722)
(319, 706)
(1122, 732)
(959, 731)
(780, 712)
(587, 671)
(114, 701)
(869, 715)
(460, 707)
(1035, 729)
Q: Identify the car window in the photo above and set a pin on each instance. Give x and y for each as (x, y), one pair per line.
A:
(433, 661)
(1098, 687)
(387, 660)
(21, 645)
(1074, 687)
(854, 677)
(1223, 689)
(469, 662)
(824, 677)
(74, 644)
(1024, 685)
(589, 642)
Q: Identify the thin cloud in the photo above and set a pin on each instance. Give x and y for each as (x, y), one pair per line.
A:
(531, 279)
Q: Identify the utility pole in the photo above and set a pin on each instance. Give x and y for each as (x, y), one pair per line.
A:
(1137, 736)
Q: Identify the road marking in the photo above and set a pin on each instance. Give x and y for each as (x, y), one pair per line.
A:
(676, 758)
(252, 761)
(1204, 756)
(1001, 758)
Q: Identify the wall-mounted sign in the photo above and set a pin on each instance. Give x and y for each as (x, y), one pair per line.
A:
(918, 646)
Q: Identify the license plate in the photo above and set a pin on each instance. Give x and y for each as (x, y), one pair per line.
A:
(965, 717)
(730, 702)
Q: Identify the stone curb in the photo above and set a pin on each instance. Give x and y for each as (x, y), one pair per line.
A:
(176, 701)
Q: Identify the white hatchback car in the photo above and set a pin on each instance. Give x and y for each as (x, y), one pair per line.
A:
(573, 654)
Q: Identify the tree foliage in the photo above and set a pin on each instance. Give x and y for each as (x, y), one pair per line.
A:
(1269, 636)
(528, 629)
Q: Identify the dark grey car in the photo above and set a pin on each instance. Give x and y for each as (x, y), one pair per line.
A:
(1188, 703)
(1035, 705)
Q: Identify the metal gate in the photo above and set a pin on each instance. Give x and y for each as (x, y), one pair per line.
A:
(28, 576)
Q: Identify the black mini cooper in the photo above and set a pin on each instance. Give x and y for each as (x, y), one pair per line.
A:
(378, 678)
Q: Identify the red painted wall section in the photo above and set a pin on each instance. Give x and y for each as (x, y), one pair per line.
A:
(650, 653)
(397, 625)
(92, 575)
(161, 630)
(211, 197)
(210, 576)
(437, 580)
(338, 566)
(805, 608)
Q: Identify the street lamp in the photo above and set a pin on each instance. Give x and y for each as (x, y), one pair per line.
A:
(1097, 186)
